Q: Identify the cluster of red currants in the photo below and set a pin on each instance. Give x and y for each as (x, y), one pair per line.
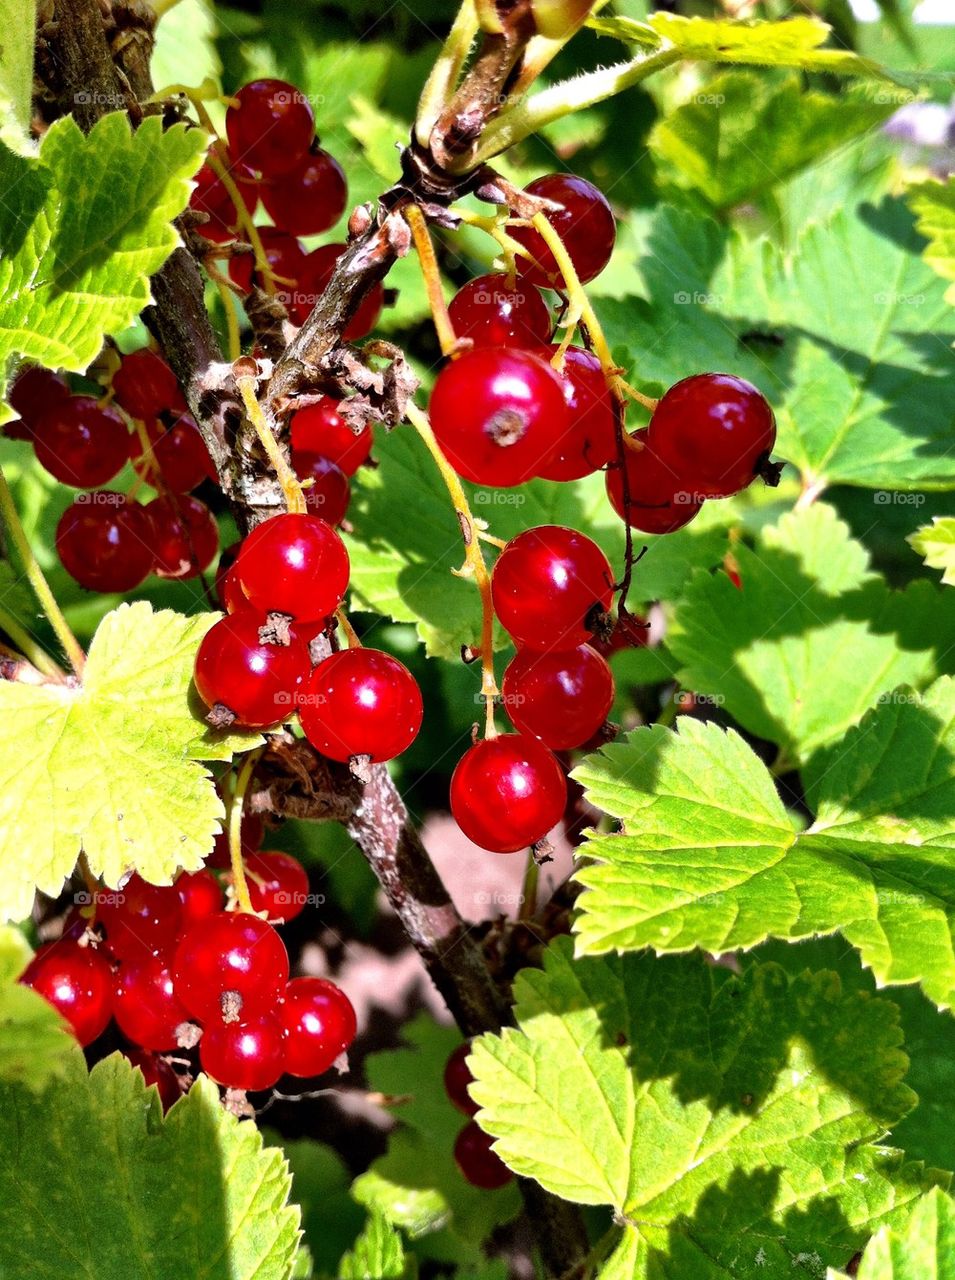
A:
(274, 156)
(157, 959)
(105, 539)
(481, 1166)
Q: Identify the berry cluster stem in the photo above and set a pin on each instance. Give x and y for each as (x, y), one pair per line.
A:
(291, 488)
(28, 647)
(432, 279)
(239, 882)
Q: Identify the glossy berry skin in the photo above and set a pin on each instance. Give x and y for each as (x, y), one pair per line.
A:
(507, 792)
(590, 441)
(145, 1005)
(270, 127)
(228, 592)
(234, 952)
(585, 223)
(457, 1078)
(157, 1071)
(178, 460)
(713, 430)
(140, 919)
(658, 501)
(257, 682)
(319, 1024)
(310, 198)
(246, 1055)
(185, 536)
(145, 386)
(212, 197)
(545, 584)
(321, 429)
(34, 390)
(278, 885)
(284, 254)
(104, 541)
(314, 278)
(200, 895)
(329, 493)
(360, 702)
(495, 412)
(77, 982)
(477, 1162)
(563, 698)
(494, 313)
(79, 443)
(294, 564)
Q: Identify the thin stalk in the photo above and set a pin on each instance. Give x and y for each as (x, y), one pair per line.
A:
(28, 647)
(432, 279)
(441, 83)
(291, 488)
(231, 320)
(351, 635)
(528, 904)
(240, 884)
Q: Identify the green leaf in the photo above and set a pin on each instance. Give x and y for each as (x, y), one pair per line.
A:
(935, 542)
(35, 1042)
(726, 1121)
(110, 767)
(320, 1181)
(813, 639)
(708, 856)
(934, 206)
(106, 1189)
(379, 1254)
(18, 24)
(82, 230)
(924, 1248)
(185, 50)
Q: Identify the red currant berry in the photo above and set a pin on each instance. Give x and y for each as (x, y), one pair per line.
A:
(251, 835)
(278, 885)
(321, 429)
(713, 431)
(477, 1162)
(657, 501)
(178, 455)
(200, 895)
(590, 441)
(212, 197)
(230, 952)
(296, 565)
(360, 702)
(584, 222)
(547, 584)
(318, 269)
(310, 198)
(104, 541)
(246, 1055)
(319, 1024)
(185, 536)
(563, 698)
(284, 255)
(230, 595)
(507, 792)
(157, 1071)
(77, 982)
(79, 443)
(329, 493)
(492, 312)
(145, 386)
(257, 682)
(270, 127)
(145, 1005)
(458, 1078)
(34, 390)
(141, 919)
(495, 412)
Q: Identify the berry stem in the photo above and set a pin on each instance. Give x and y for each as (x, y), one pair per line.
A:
(432, 279)
(291, 488)
(41, 588)
(351, 635)
(239, 882)
(528, 904)
(28, 647)
(231, 320)
(474, 558)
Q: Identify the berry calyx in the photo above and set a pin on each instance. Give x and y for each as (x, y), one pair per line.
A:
(590, 440)
(310, 198)
(584, 222)
(270, 127)
(495, 412)
(141, 919)
(296, 565)
(104, 541)
(507, 792)
(248, 1054)
(80, 443)
(493, 312)
(328, 492)
(714, 431)
(185, 536)
(313, 279)
(77, 982)
(360, 702)
(230, 954)
(477, 1162)
(200, 895)
(563, 698)
(254, 681)
(457, 1078)
(321, 429)
(658, 500)
(278, 885)
(319, 1023)
(145, 386)
(178, 455)
(548, 586)
(145, 1005)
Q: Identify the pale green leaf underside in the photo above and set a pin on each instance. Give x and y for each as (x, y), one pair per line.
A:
(934, 206)
(112, 767)
(18, 24)
(923, 1250)
(935, 542)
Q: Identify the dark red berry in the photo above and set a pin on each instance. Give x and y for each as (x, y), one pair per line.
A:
(458, 1078)
(319, 1024)
(321, 429)
(713, 430)
(257, 682)
(584, 222)
(200, 895)
(477, 1162)
(547, 585)
(80, 443)
(329, 492)
(495, 412)
(33, 391)
(211, 197)
(185, 536)
(145, 386)
(360, 702)
(590, 440)
(77, 982)
(314, 278)
(492, 312)
(230, 952)
(104, 541)
(658, 501)
(157, 1071)
(284, 254)
(249, 1054)
(178, 459)
(310, 198)
(507, 792)
(141, 919)
(562, 697)
(278, 885)
(296, 565)
(145, 1005)
(270, 127)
